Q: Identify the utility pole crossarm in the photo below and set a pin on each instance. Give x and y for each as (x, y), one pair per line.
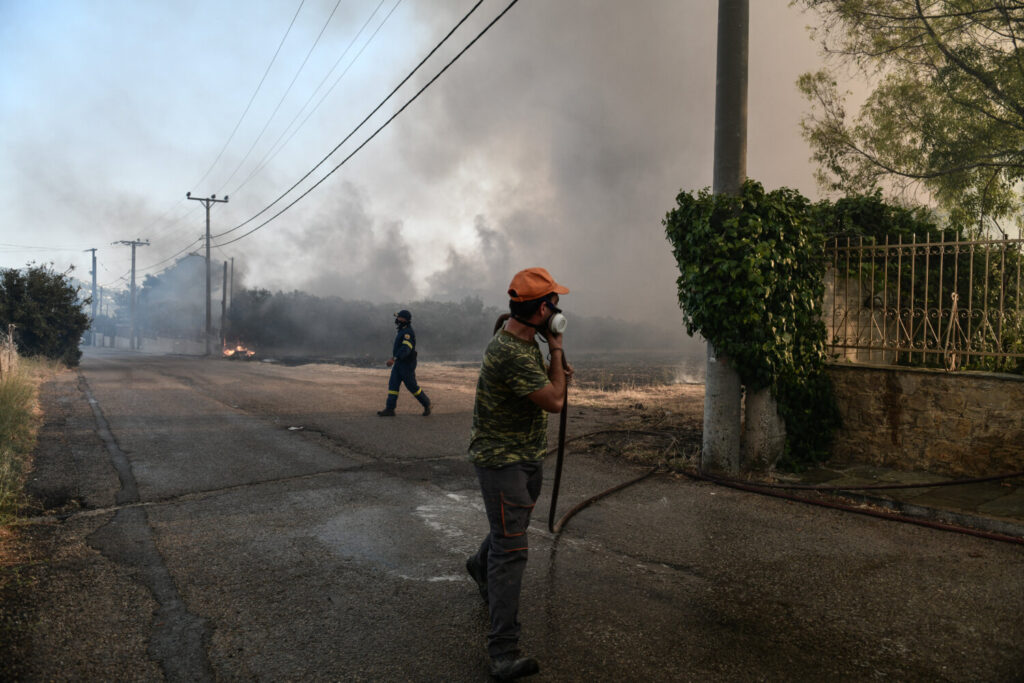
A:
(207, 202)
(137, 242)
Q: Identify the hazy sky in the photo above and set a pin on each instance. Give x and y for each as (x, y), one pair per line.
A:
(559, 139)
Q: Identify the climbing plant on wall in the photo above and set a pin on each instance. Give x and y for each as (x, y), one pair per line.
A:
(751, 281)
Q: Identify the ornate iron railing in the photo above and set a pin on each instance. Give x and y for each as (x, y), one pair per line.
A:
(955, 303)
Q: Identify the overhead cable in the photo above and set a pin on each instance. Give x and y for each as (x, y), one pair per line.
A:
(25, 247)
(190, 244)
(285, 95)
(367, 118)
(253, 97)
(275, 149)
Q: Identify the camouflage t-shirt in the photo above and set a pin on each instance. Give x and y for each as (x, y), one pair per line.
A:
(507, 426)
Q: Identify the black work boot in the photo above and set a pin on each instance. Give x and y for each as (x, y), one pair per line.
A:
(426, 409)
(509, 667)
(479, 575)
(387, 412)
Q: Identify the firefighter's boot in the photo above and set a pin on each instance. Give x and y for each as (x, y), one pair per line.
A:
(421, 396)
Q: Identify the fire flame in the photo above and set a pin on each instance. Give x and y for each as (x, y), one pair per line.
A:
(239, 351)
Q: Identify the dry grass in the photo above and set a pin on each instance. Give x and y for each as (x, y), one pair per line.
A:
(660, 425)
(629, 395)
(8, 355)
(19, 422)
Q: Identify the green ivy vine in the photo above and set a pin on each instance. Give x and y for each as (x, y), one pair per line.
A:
(751, 282)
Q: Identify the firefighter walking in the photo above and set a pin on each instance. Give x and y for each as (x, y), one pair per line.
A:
(403, 366)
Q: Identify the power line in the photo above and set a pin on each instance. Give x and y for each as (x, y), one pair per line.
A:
(382, 126)
(285, 95)
(117, 278)
(26, 247)
(169, 226)
(190, 245)
(253, 97)
(368, 116)
(275, 149)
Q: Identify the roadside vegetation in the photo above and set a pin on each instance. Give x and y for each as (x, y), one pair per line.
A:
(41, 317)
(19, 422)
(42, 311)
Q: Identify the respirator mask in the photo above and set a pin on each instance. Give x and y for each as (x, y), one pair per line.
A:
(555, 324)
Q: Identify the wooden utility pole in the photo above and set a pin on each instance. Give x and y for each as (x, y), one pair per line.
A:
(721, 440)
(207, 202)
(224, 307)
(133, 343)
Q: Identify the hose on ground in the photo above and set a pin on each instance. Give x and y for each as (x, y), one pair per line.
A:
(767, 489)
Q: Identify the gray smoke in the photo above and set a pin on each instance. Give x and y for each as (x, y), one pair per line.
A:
(560, 140)
(346, 251)
(479, 274)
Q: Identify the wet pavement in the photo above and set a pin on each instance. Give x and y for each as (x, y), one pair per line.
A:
(268, 526)
(995, 506)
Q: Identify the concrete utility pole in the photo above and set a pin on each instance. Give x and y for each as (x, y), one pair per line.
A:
(93, 273)
(131, 302)
(721, 441)
(207, 202)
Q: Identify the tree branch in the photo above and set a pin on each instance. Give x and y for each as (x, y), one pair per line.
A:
(980, 76)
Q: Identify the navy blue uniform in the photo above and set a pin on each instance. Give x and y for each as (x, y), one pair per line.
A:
(404, 369)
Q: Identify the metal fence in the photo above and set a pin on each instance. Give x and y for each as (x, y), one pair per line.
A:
(954, 303)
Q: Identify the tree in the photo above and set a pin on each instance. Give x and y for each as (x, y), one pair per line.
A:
(44, 307)
(947, 109)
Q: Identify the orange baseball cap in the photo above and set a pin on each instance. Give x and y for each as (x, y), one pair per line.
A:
(533, 283)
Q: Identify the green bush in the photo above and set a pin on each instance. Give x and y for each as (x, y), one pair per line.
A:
(45, 309)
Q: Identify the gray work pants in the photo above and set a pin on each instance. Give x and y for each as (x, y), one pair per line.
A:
(509, 494)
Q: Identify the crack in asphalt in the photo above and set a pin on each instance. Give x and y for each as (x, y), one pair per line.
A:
(384, 466)
(178, 638)
(129, 492)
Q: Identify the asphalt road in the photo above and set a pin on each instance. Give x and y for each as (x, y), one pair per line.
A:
(230, 520)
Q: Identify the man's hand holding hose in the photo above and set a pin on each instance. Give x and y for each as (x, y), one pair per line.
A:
(558, 361)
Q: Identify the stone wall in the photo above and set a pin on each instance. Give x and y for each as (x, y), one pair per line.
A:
(957, 424)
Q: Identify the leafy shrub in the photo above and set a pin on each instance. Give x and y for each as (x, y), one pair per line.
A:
(751, 282)
(45, 309)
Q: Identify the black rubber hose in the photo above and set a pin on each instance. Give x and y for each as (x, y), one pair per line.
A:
(819, 487)
(562, 418)
(766, 490)
(557, 528)
(895, 516)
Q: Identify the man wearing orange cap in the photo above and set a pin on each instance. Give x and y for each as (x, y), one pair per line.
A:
(508, 442)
